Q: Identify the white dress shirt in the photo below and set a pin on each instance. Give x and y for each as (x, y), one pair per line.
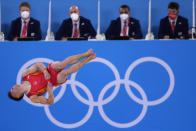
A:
(22, 26)
(122, 26)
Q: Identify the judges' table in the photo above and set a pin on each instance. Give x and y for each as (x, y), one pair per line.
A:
(131, 85)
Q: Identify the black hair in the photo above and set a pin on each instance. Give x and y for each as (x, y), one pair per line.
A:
(173, 5)
(125, 6)
(14, 98)
(25, 4)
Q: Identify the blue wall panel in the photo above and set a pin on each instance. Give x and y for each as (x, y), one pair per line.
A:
(109, 11)
(131, 85)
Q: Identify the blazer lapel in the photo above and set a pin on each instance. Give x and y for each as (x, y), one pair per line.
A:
(19, 27)
(178, 23)
(131, 24)
(118, 26)
(82, 27)
(169, 26)
(178, 26)
(70, 26)
(29, 28)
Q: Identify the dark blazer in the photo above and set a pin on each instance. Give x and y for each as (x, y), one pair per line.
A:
(33, 29)
(114, 29)
(66, 28)
(181, 28)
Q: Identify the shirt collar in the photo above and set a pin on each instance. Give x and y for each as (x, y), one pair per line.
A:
(123, 21)
(27, 20)
(76, 22)
(171, 20)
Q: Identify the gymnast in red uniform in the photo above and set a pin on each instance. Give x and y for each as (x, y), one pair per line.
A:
(38, 79)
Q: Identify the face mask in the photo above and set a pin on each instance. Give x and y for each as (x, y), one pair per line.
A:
(172, 16)
(25, 14)
(124, 16)
(74, 16)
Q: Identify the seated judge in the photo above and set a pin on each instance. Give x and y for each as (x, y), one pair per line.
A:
(25, 26)
(75, 27)
(173, 26)
(124, 25)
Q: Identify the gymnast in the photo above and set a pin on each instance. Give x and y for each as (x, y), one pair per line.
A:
(38, 79)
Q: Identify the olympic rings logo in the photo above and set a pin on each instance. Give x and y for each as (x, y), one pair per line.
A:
(91, 103)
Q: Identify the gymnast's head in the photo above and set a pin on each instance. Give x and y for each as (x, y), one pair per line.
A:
(16, 93)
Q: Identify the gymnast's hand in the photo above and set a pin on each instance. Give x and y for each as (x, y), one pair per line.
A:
(46, 74)
(49, 87)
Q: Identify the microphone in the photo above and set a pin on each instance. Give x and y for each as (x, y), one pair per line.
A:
(50, 35)
(149, 35)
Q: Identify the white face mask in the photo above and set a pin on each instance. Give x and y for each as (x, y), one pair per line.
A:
(74, 16)
(25, 14)
(124, 16)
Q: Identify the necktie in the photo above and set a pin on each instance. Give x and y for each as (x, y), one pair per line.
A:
(75, 31)
(125, 29)
(24, 30)
(173, 26)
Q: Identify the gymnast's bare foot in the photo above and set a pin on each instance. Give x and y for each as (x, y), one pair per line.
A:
(92, 56)
(90, 52)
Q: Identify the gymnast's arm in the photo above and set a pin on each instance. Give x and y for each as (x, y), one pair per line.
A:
(38, 66)
(43, 100)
